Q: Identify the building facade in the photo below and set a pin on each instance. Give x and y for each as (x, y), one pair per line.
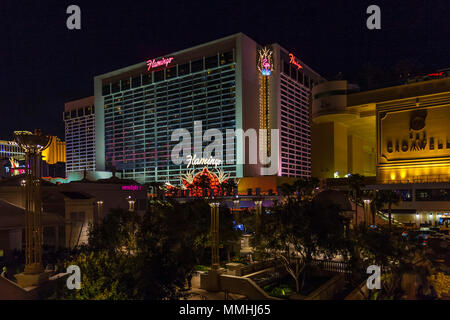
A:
(398, 135)
(12, 158)
(219, 85)
(79, 119)
(10, 149)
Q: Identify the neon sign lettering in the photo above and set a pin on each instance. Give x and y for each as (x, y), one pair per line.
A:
(153, 63)
(436, 74)
(132, 188)
(294, 62)
(194, 161)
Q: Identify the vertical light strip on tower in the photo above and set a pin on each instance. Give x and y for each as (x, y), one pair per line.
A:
(265, 66)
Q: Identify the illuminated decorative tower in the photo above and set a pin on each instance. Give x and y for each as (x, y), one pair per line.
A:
(265, 66)
(32, 144)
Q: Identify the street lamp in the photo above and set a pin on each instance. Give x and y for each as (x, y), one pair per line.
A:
(99, 210)
(215, 262)
(33, 145)
(366, 201)
(131, 203)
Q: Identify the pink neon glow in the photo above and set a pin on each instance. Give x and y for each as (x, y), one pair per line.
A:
(294, 62)
(266, 64)
(153, 63)
(132, 188)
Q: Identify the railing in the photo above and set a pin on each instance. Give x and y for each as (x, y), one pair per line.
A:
(333, 266)
(418, 179)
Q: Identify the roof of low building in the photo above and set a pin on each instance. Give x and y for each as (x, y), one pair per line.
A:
(13, 217)
(76, 195)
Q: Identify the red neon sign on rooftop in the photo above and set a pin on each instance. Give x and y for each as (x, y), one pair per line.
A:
(153, 63)
(436, 74)
(294, 62)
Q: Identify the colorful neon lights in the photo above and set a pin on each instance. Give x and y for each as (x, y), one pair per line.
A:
(194, 161)
(153, 63)
(203, 180)
(435, 74)
(131, 187)
(265, 64)
(294, 61)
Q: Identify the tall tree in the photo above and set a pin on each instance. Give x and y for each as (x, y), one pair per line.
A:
(389, 198)
(305, 187)
(295, 233)
(392, 252)
(152, 257)
(375, 204)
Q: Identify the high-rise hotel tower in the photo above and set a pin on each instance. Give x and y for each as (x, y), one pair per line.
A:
(230, 83)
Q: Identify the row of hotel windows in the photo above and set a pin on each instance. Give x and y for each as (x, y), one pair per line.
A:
(182, 84)
(164, 100)
(225, 108)
(296, 74)
(295, 93)
(80, 112)
(215, 61)
(203, 86)
(10, 147)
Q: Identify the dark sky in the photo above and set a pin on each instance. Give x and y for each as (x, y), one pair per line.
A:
(43, 64)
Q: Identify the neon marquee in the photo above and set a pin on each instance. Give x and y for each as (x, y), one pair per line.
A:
(153, 63)
(294, 61)
(132, 188)
(194, 161)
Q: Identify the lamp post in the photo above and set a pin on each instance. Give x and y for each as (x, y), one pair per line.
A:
(131, 203)
(236, 208)
(366, 201)
(258, 204)
(99, 210)
(33, 145)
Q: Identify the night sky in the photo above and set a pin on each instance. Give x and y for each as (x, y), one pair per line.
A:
(43, 64)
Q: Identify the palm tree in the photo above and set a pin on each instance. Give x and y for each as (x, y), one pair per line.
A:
(305, 187)
(287, 189)
(388, 197)
(356, 183)
(375, 204)
(157, 188)
(228, 186)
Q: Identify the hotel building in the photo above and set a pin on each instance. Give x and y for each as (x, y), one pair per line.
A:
(79, 119)
(10, 149)
(223, 84)
(398, 135)
(12, 158)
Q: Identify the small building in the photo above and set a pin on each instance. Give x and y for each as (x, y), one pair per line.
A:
(12, 223)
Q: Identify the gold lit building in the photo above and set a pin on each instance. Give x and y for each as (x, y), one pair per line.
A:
(398, 134)
(56, 152)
